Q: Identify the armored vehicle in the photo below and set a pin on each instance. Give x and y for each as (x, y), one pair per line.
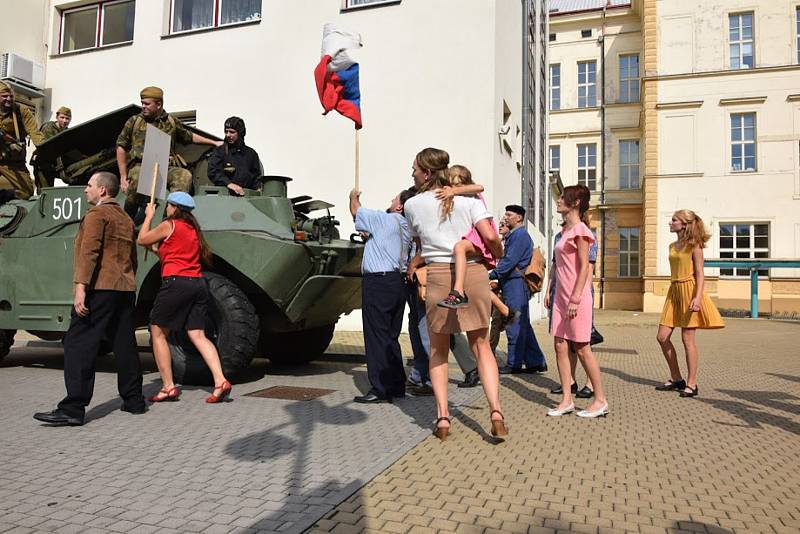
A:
(279, 281)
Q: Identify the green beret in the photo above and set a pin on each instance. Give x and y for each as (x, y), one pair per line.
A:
(5, 88)
(152, 92)
(63, 110)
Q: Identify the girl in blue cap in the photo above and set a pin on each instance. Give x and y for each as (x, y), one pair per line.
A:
(182, 300)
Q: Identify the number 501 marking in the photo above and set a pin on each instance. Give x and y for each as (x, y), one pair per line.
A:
(63, 208)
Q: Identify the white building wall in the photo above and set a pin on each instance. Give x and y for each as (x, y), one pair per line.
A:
(432, 74)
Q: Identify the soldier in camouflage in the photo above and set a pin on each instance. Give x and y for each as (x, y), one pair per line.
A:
(17, 123)
(51, 128)
(130, 147)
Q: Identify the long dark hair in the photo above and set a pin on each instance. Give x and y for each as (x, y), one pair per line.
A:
(577, 196)
(186, 216)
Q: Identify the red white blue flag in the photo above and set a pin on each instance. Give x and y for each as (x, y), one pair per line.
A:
(337, 74)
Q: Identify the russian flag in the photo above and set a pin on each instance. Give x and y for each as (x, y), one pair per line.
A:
(337, 74)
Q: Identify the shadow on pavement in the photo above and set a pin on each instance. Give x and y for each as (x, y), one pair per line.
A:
(752, 417)
(630, 378)
(790, 378)
(304, 507)
(696, 526)
(770, 399)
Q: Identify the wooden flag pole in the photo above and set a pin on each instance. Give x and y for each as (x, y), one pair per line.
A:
(358, 163)
(152, 197)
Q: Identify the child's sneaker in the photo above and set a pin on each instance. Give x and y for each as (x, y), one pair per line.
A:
(455, 300)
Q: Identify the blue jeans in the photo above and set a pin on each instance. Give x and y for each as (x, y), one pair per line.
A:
(418, 332)
(523, 348)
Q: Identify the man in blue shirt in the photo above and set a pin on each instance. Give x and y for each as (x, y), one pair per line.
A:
(522, 345)
(383, 294)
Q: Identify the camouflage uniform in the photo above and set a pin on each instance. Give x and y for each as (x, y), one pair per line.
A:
(132, 140)
(49, 129)
(13, 172)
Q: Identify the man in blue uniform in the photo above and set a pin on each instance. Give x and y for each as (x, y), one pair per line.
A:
(523, 349)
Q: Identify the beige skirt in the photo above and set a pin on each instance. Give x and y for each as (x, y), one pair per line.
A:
(476, 286)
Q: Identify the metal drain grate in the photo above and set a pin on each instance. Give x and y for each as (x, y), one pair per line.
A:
(290, 393)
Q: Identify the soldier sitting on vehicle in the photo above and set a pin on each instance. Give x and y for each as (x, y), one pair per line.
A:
(235, 165)
(51, 128)
(16, 124)
(130, 147)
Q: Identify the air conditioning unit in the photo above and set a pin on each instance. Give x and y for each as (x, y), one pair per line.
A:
(21, 70)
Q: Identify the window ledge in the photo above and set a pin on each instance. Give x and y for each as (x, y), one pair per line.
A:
(88, 50)
(743, 100)
(211, 29)
(573, 110)
(748, 171)
(369, 6)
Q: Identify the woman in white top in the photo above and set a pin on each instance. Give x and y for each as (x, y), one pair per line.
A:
(438, 225)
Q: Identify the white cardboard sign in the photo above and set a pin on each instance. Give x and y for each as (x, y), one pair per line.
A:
(156, 150)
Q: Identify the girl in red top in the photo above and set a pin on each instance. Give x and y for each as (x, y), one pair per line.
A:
(182, 300)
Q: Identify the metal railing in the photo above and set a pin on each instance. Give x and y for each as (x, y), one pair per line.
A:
(753, 265)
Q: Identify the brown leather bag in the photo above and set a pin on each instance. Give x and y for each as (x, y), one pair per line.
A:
(421, 279)
(534, 273)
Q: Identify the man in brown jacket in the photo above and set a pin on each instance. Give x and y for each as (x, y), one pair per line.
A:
(105, 294)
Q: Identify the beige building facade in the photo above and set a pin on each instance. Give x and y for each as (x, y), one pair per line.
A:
(700, 112)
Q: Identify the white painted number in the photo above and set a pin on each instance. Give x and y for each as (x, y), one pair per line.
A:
(64, 208)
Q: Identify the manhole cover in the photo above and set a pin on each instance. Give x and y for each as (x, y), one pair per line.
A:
(290, 393)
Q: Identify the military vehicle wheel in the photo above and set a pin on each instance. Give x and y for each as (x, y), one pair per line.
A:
(292, 348)
(6, 340)
(232, 325)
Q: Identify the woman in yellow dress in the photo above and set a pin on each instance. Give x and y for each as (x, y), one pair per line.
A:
(687, 307)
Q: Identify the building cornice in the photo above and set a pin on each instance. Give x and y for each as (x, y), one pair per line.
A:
(569, 135)
(742, 100)
(573, 110)
(793, 98)
(626, 130)
(679, 105)
(588, 14)
(675, 175)
(726, 72)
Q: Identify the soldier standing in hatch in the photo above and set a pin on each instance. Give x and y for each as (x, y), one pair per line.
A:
(51, 128)
(16, 124)
(130, 147)
(234, 165)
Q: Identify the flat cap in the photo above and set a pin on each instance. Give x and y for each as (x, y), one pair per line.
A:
(64, 110)
(515, 208)
(152, 92)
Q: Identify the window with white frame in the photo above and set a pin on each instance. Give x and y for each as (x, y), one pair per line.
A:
(628, 252)
(587, 84)
(97, 25)
(188, 15)
(629, 78)
(797, 31)
(629, 164)
(743, 142)
(587, 165)
(348, 4)
(741, 43)
(742, 241)
(555, 158)
(555, 86)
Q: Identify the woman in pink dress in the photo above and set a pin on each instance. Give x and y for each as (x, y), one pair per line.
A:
(572, 304)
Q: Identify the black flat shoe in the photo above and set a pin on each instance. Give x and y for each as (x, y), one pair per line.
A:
(371, 398)
(537, 369)
(135, 410)
(506, 370)
(672, 385)
(58, 418)
(560, 391)
(585, 393)
(471, 380)
(691, 393)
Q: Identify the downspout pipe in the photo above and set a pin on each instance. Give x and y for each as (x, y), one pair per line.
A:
(603, 155)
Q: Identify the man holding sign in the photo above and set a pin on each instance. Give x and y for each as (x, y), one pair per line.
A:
(130, 147)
